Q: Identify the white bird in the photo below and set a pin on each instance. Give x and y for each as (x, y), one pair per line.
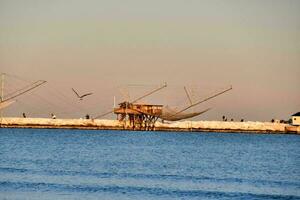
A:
(81, 96)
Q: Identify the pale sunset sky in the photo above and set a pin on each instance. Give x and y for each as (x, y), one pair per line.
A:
(97, 45)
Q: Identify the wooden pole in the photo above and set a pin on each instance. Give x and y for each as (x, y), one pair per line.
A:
(149, 93)
(199, 102)
(188, 96)
(2, 93)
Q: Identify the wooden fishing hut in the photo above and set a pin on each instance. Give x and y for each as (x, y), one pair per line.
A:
(140, 116)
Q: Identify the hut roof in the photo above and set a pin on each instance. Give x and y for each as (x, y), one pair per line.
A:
(296, 114)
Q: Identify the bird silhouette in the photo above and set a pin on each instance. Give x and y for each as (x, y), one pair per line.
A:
(81, 96)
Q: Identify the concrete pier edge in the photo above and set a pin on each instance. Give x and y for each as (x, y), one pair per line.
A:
(182, 126)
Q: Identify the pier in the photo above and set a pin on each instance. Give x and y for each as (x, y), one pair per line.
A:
(179, 126)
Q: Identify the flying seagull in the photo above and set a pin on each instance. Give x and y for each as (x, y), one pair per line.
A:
(81, 97)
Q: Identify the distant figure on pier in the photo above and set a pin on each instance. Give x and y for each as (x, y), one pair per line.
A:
(24, 115)
(242, 120)
(231, 120)
(87, 116)
(223, 118)
(53, 116)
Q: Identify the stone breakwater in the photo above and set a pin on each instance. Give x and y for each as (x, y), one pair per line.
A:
(184, 126)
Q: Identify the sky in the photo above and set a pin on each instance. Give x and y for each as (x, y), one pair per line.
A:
(98, 46)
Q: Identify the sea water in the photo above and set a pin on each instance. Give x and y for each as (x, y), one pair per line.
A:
(77, 164)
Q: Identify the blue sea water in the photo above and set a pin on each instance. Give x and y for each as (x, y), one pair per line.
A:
(76, 164)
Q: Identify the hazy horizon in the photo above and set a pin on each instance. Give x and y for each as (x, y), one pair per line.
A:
(99, 46)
